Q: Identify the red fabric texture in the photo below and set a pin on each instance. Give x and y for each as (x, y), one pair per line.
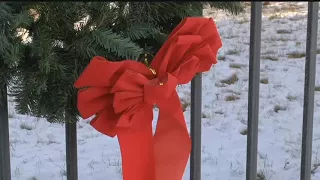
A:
(122, 95)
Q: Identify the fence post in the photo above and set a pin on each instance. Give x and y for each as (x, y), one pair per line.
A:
(253, 94)
(5, 169)
(309, 86)
(195, 127)
(71, 150)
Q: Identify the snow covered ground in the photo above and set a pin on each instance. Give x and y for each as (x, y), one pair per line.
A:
(38, 149)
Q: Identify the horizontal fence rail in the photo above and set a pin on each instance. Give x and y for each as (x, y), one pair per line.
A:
(196, 108)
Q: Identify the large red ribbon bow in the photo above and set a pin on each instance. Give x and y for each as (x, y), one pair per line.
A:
(122, 96)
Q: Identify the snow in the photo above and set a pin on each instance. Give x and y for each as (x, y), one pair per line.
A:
(38, 147)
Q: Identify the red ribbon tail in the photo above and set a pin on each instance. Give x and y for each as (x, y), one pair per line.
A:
(172, 143)
(137, 151)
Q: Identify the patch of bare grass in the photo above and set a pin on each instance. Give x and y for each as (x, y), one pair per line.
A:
(264, 81)
(235, 65)
(184, 105)
(297, 17)
(243, 21)
(231, 80)
(283, 39)
(231, 98)
(284, 31)
(291, 98)
(296, 55)
(221, 58)
(266, 3)
(275, 16)
(244, 132)
(317, 88)
(290, 8)
(270, 57)
(233, 52)
(261, 176)
(278, 108)
(315, 167)
(231, 36)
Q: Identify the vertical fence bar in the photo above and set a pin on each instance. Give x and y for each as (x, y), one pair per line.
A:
(196, 106)
(5, 169)
(253, 95)
(309, 86)
(71, 151)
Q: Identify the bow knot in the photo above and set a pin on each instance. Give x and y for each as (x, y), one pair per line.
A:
(134, 91)
(159, 89)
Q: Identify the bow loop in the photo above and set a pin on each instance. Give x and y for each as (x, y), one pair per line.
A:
(187, 39)
(128, 92)
(107, 94)
(97, 98)
(191, 48)
(96, 75)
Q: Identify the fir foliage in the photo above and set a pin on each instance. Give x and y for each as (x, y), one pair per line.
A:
(12, 17)
(57, 52)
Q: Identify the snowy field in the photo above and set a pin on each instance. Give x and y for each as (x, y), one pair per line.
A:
(38, 147)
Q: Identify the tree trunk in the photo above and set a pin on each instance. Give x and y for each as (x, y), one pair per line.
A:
(5, 169)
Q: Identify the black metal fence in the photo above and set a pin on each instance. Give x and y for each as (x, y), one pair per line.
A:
(253, 109)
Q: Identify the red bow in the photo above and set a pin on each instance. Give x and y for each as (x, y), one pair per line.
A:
(122, 95)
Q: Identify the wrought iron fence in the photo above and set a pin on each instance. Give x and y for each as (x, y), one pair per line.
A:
(253, 109)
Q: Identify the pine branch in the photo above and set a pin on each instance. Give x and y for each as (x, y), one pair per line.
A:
(142, 30)
(10, 46)
(5, 12)
(112, 42)
(23, 19)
